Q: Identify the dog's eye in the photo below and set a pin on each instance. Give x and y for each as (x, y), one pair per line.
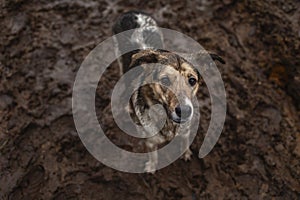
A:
(165, 81)
(192, 81)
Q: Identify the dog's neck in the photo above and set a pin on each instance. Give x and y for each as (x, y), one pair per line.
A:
(139, 111)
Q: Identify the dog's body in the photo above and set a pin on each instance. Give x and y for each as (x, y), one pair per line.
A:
(173, 75)
(149, 36)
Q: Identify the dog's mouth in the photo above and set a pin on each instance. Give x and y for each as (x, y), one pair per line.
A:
(179, 120)
(174, 117)
(182, 113)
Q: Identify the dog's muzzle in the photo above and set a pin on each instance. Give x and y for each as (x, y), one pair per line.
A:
(183, 112)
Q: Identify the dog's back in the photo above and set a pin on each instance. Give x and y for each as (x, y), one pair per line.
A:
(146, 35)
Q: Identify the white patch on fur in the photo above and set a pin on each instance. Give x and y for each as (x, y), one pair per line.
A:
(145, 20)
(146, 23)
(189, 103)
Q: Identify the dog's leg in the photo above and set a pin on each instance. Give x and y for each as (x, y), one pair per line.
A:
(188, 153)
(151, 164)
(185, 145)
(151, 145)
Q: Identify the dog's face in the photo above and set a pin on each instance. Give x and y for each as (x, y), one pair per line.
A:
(176, 83)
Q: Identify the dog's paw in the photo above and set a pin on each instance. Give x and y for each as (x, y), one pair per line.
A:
(187, 155)
(150, 167)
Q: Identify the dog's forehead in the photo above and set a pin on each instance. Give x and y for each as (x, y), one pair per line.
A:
(179, 64)
(187, 67)
(163, 57)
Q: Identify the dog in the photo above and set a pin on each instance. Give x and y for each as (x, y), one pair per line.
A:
(173, 75)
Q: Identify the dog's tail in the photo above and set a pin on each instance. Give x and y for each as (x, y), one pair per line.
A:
(142, 32)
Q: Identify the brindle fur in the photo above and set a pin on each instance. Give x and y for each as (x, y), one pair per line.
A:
(151, 94)
(149, 41)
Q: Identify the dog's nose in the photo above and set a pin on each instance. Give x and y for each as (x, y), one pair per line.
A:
(183, 111)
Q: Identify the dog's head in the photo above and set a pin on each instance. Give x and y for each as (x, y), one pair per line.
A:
(176, 82)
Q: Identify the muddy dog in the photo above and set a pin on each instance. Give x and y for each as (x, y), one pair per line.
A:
(178, 75)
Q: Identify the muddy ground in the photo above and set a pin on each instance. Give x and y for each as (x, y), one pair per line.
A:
(42, 45)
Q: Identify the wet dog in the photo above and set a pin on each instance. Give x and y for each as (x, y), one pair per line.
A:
(174, 81)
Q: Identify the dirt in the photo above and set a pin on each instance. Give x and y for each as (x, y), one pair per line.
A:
(42, 45)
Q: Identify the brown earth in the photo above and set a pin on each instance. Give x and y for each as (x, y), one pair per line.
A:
(42, 45)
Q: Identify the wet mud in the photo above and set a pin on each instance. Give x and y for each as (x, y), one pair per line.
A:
(42, 45)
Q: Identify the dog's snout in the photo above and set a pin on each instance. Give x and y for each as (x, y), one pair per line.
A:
(183, 111)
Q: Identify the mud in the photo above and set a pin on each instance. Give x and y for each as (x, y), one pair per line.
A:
(42, 45)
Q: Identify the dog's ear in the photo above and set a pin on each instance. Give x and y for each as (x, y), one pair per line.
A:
(203, 55)
(217, 57)
(213, 56)
(142, 59)
(144, 56)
